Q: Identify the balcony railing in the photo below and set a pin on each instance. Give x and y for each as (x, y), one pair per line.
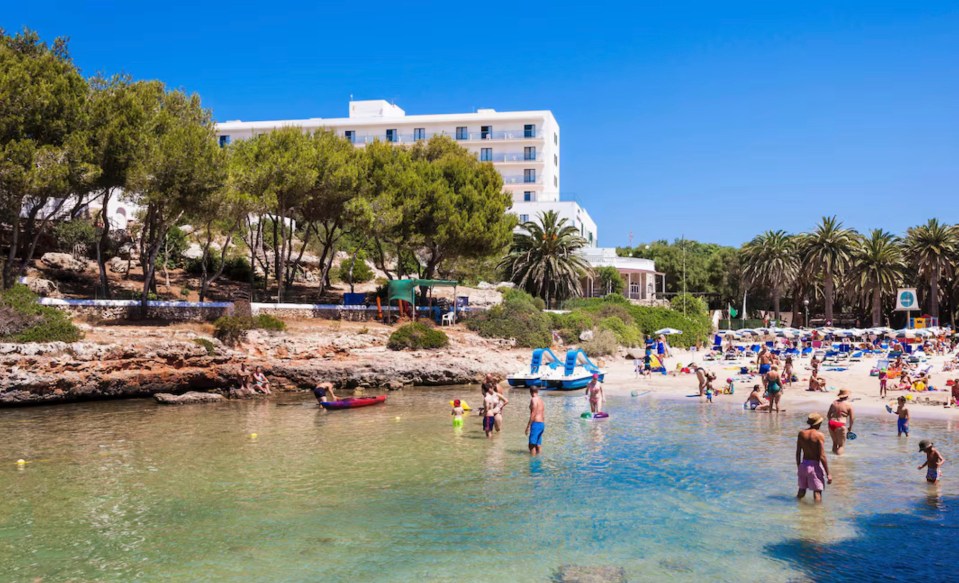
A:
(522, 180)
(479, 136)
(517, 157)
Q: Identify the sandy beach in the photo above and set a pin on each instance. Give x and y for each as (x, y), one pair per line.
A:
(622, 380)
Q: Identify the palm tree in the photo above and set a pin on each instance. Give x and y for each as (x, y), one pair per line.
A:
(771, 259)
(827, 250)
(543, 259)
(877, 266)
(932, 249)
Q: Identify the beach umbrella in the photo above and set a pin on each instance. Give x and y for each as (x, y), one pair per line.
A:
(747, 332)
(668, 331)
(725, 332)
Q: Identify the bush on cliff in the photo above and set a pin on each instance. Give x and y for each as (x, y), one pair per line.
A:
(22, 319)
(417, 336)
(519, 317)
(646, 319)
(604, 342)
(232, 329)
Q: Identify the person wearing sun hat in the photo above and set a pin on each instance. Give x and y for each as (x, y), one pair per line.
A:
(812, 466)
(841, 418)
(934, 461)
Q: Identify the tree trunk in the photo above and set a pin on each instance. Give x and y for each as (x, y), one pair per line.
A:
(827, 292)
(876, 307)
(35, 238)
(776, 297)
(103, 243)
(9, 268)
(934, 292)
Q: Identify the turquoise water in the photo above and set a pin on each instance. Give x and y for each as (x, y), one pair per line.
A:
(682, 491)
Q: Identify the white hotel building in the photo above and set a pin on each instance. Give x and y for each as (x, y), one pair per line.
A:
(523, 146)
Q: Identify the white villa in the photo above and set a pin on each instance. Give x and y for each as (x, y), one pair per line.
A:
(640, 275)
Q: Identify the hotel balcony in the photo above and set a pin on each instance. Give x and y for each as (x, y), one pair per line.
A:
(522, 181)
(474, 137)
(510, 158)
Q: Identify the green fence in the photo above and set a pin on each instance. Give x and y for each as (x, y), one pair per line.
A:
(739, 324)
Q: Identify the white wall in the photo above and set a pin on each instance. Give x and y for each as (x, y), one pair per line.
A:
(569, 210)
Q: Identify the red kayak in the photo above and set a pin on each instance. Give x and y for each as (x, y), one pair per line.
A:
(353, 403)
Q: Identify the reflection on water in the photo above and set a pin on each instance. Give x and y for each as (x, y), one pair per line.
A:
(688, 491)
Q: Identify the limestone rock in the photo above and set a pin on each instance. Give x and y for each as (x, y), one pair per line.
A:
(63, 262)
(42, 287)
(590, 574)
(188, 398)
(118, 265)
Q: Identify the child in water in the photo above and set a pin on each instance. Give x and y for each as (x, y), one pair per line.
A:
(934, 461)
(902, 424)
(457, 413)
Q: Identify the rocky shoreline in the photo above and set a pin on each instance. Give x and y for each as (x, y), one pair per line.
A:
(126, 362)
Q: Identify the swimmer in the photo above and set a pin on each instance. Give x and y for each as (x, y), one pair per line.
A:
(324, 393)
(755, 400)
(457, 413)
(840, 412)
(902, 424)
(595, 394)
(537, 422)
(774, 388)
(490, 409)
(934, 461)
(811, 459)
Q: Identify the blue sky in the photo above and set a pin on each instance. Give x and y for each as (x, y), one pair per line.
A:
(713, 120)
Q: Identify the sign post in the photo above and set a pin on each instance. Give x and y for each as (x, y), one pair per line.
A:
(906, 302)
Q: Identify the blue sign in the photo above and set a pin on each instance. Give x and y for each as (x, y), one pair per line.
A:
(907, 299)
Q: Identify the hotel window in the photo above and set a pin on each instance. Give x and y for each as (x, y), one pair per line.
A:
(224, 141)
(486, 132)
(390, 135)
(486, 154)
(461, 133)
(555, 160)
(524, 218)
(529, 196)
(350, 136)
(529, 153)
(419, 133)
(556, 138)
(529, 131)
(555, 181)
(529, 175)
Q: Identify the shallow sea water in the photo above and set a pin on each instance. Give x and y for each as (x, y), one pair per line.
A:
(665, 490)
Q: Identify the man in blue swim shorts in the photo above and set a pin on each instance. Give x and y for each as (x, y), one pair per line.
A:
(537, 421)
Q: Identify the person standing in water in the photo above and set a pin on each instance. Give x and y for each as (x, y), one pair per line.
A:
(811, 462)
(457, 413)
(774, 388)
(503, 402)
(902, 423)
(595, 394)
(841, 418)
(324, 393)
(934, 461)
(490, 408)
(537, 421)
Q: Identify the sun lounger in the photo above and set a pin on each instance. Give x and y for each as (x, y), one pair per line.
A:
(856, 356)
(806, 353)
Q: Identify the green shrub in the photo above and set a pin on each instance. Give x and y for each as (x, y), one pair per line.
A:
(69, 233)
(232, 329)
(576, 321)
(518, 317)
(417, 336)
(648, 319)
(603, 343)
(609, 280)
(694, 306)
(171, 253)
(518, 295)
(207, 344)
(361, 271)
(615, 311)
(22, 319)
(268, 322)
(626, 334)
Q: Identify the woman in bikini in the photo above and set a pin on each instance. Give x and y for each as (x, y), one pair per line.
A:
(788, 371)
